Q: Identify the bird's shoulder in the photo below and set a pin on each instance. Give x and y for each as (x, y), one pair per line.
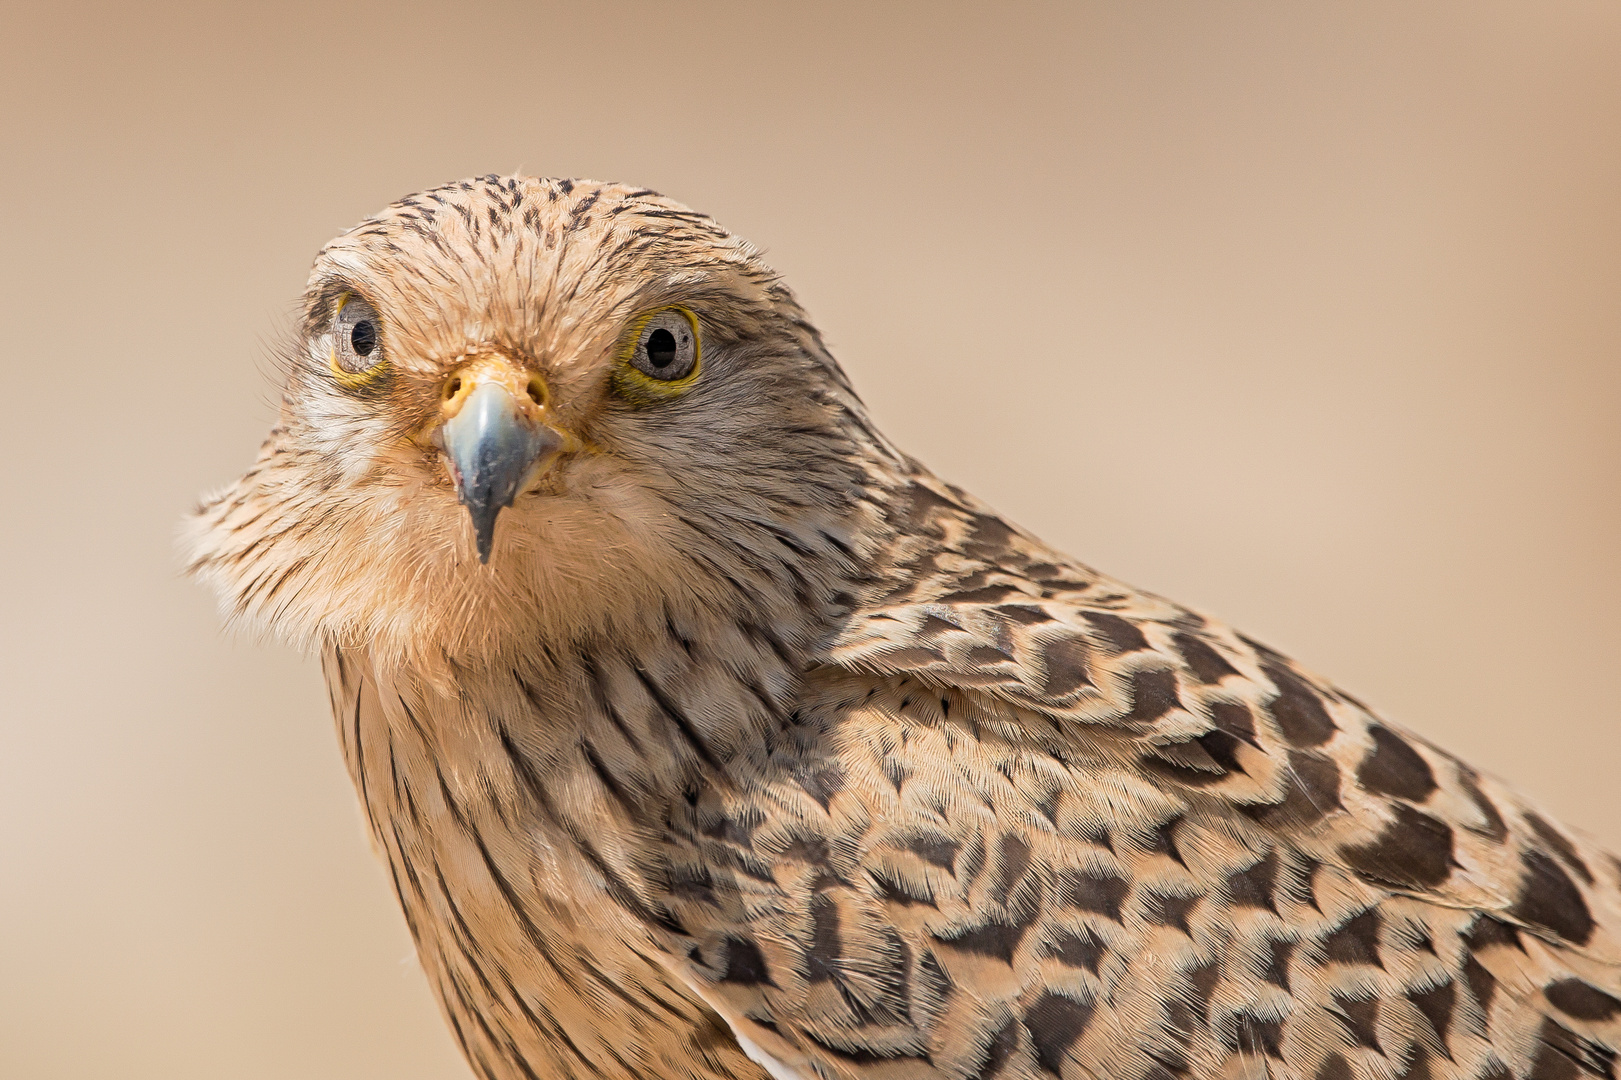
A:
(1031, 820)
(1085, 667)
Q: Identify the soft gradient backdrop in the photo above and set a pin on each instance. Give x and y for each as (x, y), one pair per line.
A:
(1305, 314)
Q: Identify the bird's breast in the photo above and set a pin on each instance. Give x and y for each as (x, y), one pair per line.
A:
(520, 883)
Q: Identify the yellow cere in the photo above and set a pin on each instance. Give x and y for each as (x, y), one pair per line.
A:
(641, 389)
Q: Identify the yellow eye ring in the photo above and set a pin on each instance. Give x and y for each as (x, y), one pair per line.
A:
(631, 379)
(355, 380)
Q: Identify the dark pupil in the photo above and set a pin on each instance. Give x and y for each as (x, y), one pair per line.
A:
(363, 338)
(660, 348)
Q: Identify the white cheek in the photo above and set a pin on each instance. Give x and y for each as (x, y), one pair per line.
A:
(349, 434)
(359, 448)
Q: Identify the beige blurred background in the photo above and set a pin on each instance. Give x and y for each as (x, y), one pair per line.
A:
(1305, 314)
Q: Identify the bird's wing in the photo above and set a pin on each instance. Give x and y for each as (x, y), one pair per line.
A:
(1029, 821)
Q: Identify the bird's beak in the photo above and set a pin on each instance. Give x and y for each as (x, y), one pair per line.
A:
(496, 437)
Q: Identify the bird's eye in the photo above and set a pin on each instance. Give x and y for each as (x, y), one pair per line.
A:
(356, 338)
(666, 346)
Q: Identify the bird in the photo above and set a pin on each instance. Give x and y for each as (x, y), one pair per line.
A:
(706, 735)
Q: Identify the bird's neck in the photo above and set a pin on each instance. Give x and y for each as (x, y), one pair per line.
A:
(647, 709)
(520, 814)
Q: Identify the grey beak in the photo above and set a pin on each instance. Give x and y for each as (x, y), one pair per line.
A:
(492, 450)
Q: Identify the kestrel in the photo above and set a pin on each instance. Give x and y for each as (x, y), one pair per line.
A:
(706, 735)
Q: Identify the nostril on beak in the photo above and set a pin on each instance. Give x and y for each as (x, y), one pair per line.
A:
(453, 387)
(537, 390)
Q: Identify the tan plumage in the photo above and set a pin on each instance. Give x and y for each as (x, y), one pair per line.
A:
(755, 749)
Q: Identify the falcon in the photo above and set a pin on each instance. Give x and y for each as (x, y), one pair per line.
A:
(707, 736)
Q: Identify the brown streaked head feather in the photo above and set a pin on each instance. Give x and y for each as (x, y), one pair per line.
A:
(348, 528)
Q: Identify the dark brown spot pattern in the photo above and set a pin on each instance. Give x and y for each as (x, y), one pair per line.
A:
(1055, 1022)
(1394, 768)
(1356, 941)
(1117, 633)
(1360, 1016)
(1065, 664)
(1550, 900)
(1253, 887)
(1414, 850)
(1207, 665)
(1582, 1000)
(1560, 845)
(1298, 709)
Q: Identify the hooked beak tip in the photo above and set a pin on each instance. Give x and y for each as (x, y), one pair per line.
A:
(484, 534)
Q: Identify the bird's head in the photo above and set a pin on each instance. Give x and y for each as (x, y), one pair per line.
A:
(519, 407)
